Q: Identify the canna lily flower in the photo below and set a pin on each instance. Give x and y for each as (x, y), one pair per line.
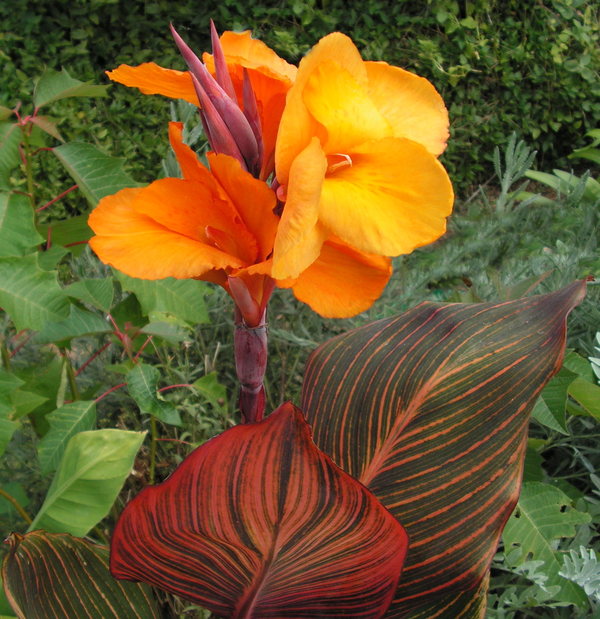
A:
(356, 159)
(219, 225)
(248, 78)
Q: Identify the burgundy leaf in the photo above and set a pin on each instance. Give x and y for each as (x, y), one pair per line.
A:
(259, 523)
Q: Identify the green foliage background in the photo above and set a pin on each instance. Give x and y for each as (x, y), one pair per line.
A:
(501, 65)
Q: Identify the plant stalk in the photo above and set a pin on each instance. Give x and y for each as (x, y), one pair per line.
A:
(250, 345)
(153, 439)
(26, 517)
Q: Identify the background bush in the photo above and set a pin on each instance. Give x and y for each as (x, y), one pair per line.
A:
(501, 65)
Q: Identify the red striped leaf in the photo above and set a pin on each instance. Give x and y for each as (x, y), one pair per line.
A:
(58, 576)
(259, 523)
(430, 411)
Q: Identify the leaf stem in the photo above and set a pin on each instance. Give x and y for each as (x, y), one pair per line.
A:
(26, 517)
(27, 157)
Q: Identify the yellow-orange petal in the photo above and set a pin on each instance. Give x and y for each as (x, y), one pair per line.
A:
(152, 79)
(342, 106)
(297, 127)
(342, 282)
(393, 198)
(299, 236)
(411, 105)
(140, 247)
(189, 208)
(241, 49)
(253, 200)
(189, 163)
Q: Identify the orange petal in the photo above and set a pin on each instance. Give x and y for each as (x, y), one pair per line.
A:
(411, 105)
(188, 208)
(342, 282)
(189, 163)
(154, 80)
(299, 236)
(297, 127)
(393, 198)
(241, 49)
(342, 106)
(141, 247)
(253, 199)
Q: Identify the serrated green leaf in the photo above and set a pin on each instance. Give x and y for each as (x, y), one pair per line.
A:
(96, 174)
(72, 581)
(48, 259)
(91, 474)
(18, 235)
(55, 85)
(143, 387)
(79, 323)
(10, 138)
(96, 292)
(543, 515)
(30, 295)
(65, 422)
(9, 382)
(183, 298)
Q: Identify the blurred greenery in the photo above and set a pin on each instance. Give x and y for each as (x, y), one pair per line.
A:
(501, 65)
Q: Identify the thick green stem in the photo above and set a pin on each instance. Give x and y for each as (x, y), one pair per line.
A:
(26, 517)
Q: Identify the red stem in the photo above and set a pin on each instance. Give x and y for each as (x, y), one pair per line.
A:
(100, 397)
(94, 356)
(58, 197)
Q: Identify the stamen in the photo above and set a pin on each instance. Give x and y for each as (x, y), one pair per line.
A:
(337, 161)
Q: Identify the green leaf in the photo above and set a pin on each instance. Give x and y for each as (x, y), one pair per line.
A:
(543, 515)
(18, 235)
(72, 581)
(96, 174)
(9, 382)
(170, 332)
(25, 402)
(54, 85)
(17, 491)
(10, 138)
(72, 232)
(430, 411)
(7, 429)
(587, 395)
(48, 259)
(79, 323)
(550, 409)
(91, 474)
(65, 422)
(5, 112)
(143, 384)
(45, 124)
(210, 387)
(31, 296)
(183, 298)
(96, 292)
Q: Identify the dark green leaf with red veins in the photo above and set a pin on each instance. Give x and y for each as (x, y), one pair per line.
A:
(259, 523)
(57, 576)
(429, 410)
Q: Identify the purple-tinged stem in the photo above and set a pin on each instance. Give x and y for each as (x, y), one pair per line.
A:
(250, 346)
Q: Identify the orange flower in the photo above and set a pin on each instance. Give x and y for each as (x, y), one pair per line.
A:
(356, 159)
(218, 225)
(270, 77)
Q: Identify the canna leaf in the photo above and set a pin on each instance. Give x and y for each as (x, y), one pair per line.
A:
(430, 411)
(259, 523)
(56, 576)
